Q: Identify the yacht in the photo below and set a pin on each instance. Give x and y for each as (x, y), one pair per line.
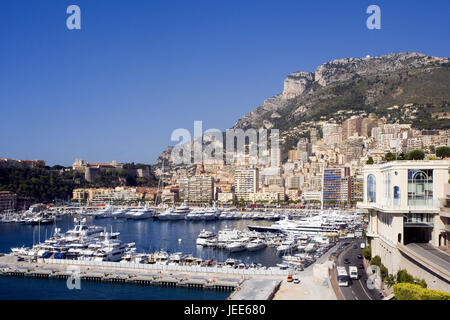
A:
(256, 244)
(204, 236)
(104, 213)
(196, 214)
(119, 213)
(211, 213)
(140, 213)
(178, 213)
(236, 245)
(287, 245)
(314, 226)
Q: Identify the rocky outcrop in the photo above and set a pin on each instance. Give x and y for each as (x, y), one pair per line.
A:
(301, 88)
(296, 83)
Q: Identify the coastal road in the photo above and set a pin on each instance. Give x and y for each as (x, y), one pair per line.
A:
(357, 289)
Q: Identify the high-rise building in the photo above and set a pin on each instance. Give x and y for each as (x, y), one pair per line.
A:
(246, 182)
(332, 134)
(313, 135)
(295, 182)
(334, 183)
(351, 127)
(197, 189)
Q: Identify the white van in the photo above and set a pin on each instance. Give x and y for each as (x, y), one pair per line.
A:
(363, 245)
(353, 272)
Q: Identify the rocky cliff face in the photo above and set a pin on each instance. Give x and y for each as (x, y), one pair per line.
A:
(371, 84)
(302, 90)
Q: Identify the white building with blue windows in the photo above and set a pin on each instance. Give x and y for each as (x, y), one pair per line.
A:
(407, 221)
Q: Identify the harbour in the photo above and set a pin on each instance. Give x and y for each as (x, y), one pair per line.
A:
(152, 257)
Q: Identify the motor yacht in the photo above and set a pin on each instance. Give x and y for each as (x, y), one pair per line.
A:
(178, 213)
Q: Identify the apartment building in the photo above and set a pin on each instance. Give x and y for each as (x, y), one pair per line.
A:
(246, 182)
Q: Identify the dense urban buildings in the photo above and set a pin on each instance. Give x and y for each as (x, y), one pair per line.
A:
(324, 163)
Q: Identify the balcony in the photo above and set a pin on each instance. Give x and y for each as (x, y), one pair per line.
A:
(431, 206)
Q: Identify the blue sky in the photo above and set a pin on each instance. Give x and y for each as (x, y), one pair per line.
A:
(137, 70)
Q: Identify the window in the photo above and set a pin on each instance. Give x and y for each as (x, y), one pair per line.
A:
(420, 187)
(396, 196)
(371, 188)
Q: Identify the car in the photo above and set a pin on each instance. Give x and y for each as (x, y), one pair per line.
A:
(360, 266)
(289, 278)
(355, 246)
(359, 256)
(346, 261)
(296, 280)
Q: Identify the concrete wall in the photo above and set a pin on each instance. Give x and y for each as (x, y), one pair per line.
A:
(394, 260)
(420, 272)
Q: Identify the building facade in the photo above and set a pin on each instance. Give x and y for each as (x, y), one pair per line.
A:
(246, 182)
(406, 220)
(8, 200)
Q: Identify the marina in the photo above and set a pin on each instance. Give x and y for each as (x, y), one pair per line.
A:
(220, 254)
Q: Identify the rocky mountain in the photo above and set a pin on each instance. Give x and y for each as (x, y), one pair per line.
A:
(371, 83)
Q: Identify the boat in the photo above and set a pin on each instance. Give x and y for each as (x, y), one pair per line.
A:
(178, 213)
(204, 236)
(140, 213)
(211, 213)
(119, 213)
(287, 245)
(236, 246)
(104, 213)
(196, 214)
(256, 245)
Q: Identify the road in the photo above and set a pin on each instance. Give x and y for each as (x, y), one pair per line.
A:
(357, 289)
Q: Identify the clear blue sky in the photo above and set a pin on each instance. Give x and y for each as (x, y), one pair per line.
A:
(137, 70)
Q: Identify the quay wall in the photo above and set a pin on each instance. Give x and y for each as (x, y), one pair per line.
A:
(160, 267)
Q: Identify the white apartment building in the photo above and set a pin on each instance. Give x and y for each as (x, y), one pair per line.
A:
(246, 182)
(407, 223)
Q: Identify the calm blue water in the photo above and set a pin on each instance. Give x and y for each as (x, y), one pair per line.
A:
(149, 235)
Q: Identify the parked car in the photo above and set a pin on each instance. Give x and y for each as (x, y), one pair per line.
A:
(346, 261)
(359, 256)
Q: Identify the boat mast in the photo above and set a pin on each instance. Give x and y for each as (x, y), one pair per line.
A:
(160, 184)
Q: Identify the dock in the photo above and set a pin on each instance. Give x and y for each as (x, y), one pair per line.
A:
(256, 289)
(243, 283)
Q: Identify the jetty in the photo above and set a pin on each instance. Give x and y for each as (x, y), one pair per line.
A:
(241, 281)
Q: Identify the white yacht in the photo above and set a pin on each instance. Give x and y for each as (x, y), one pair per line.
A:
(119, 213)
(313, 226)
(196, 214)
(287, 245)
(178, 213)
(256, 244)
(140, 213)
(204, 236)
(212, 213)
(104, 213)
(236, 246)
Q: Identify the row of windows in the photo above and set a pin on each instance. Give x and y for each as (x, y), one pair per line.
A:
(420, 188)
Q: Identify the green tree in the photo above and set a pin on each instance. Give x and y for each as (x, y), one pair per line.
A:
(370, 161)
(443, 152)
(389, 156)
(416, 154)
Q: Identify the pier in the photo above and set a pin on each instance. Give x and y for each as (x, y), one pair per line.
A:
(245, 284)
